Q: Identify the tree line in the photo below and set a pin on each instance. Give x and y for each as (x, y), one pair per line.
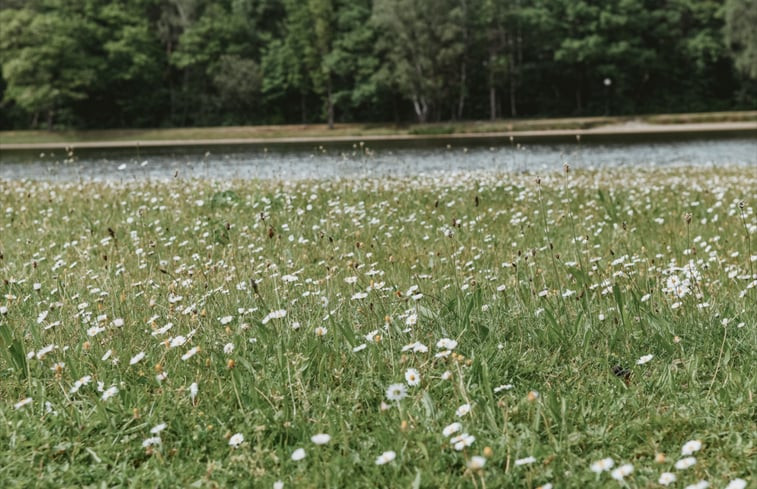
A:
(154, 63)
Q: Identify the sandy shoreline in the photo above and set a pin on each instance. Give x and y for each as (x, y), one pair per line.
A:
(637, 129)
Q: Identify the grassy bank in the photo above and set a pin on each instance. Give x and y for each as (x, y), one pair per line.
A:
(206, 334)
(357, 130)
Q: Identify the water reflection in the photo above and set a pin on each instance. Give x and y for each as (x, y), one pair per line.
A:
(342, 160)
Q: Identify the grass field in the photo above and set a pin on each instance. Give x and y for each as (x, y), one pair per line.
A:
(361, 130)
(567, 330)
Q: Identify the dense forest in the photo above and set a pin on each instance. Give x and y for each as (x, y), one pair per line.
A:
(157, 63)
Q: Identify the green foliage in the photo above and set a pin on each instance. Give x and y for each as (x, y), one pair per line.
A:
(741, 34)
(421, 44)
(48, 60)
(118, 63)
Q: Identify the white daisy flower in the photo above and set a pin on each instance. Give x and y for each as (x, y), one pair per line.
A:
(685, 463)
(396, 392)
(412, 377)
(666, 478)
(298, 454)
(320, 438)
(644, 359)
(236, 440)
(386, 457)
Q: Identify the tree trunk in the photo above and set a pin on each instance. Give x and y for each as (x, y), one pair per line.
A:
(395, 110)
(461, 101)
(513, 108)
(50, 114)
(330, 103)
(492, 86)
(303, 108)
(492, 102)
(421, 108)
(511, 73)
(463, 67)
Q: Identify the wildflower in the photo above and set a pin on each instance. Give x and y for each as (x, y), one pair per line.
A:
(58, 367)
(461, 441)
(278, 314)
(737, 483)
(136, 358)
(446, 375)
(360, 347)
(690, 447)
(44, 351)
(622, 472)
(298, 454)
(685, 463)
(446, 344)
(666, 478)
(22, 403)
(109, 392)
(548, 485)
(228, 348)
(321, 331)
(451, 429)
(396, 392)
(162, 330)
(158, 428)
(602, 465)
(118, 322)
(462, 410)
(226, 320)
(190, 353)
(148, 442)
(386, 457)
(359, 296)
(476, 462)
(503, 387)
(525, 461)
(412, 377)
(411, 320)
(193, 391)
(236, 440)
(278, 485)
(95, 330)
(79, 383)
(644, 359)
(698, 485)
(320, 438)
(177, 341)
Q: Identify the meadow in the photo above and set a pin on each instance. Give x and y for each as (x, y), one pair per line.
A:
(570, 329)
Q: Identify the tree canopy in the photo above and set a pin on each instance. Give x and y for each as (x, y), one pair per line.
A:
(140, 63)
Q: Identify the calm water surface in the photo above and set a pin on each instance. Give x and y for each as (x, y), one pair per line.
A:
(347, 160)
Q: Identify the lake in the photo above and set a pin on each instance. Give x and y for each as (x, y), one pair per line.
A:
(373, 159)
